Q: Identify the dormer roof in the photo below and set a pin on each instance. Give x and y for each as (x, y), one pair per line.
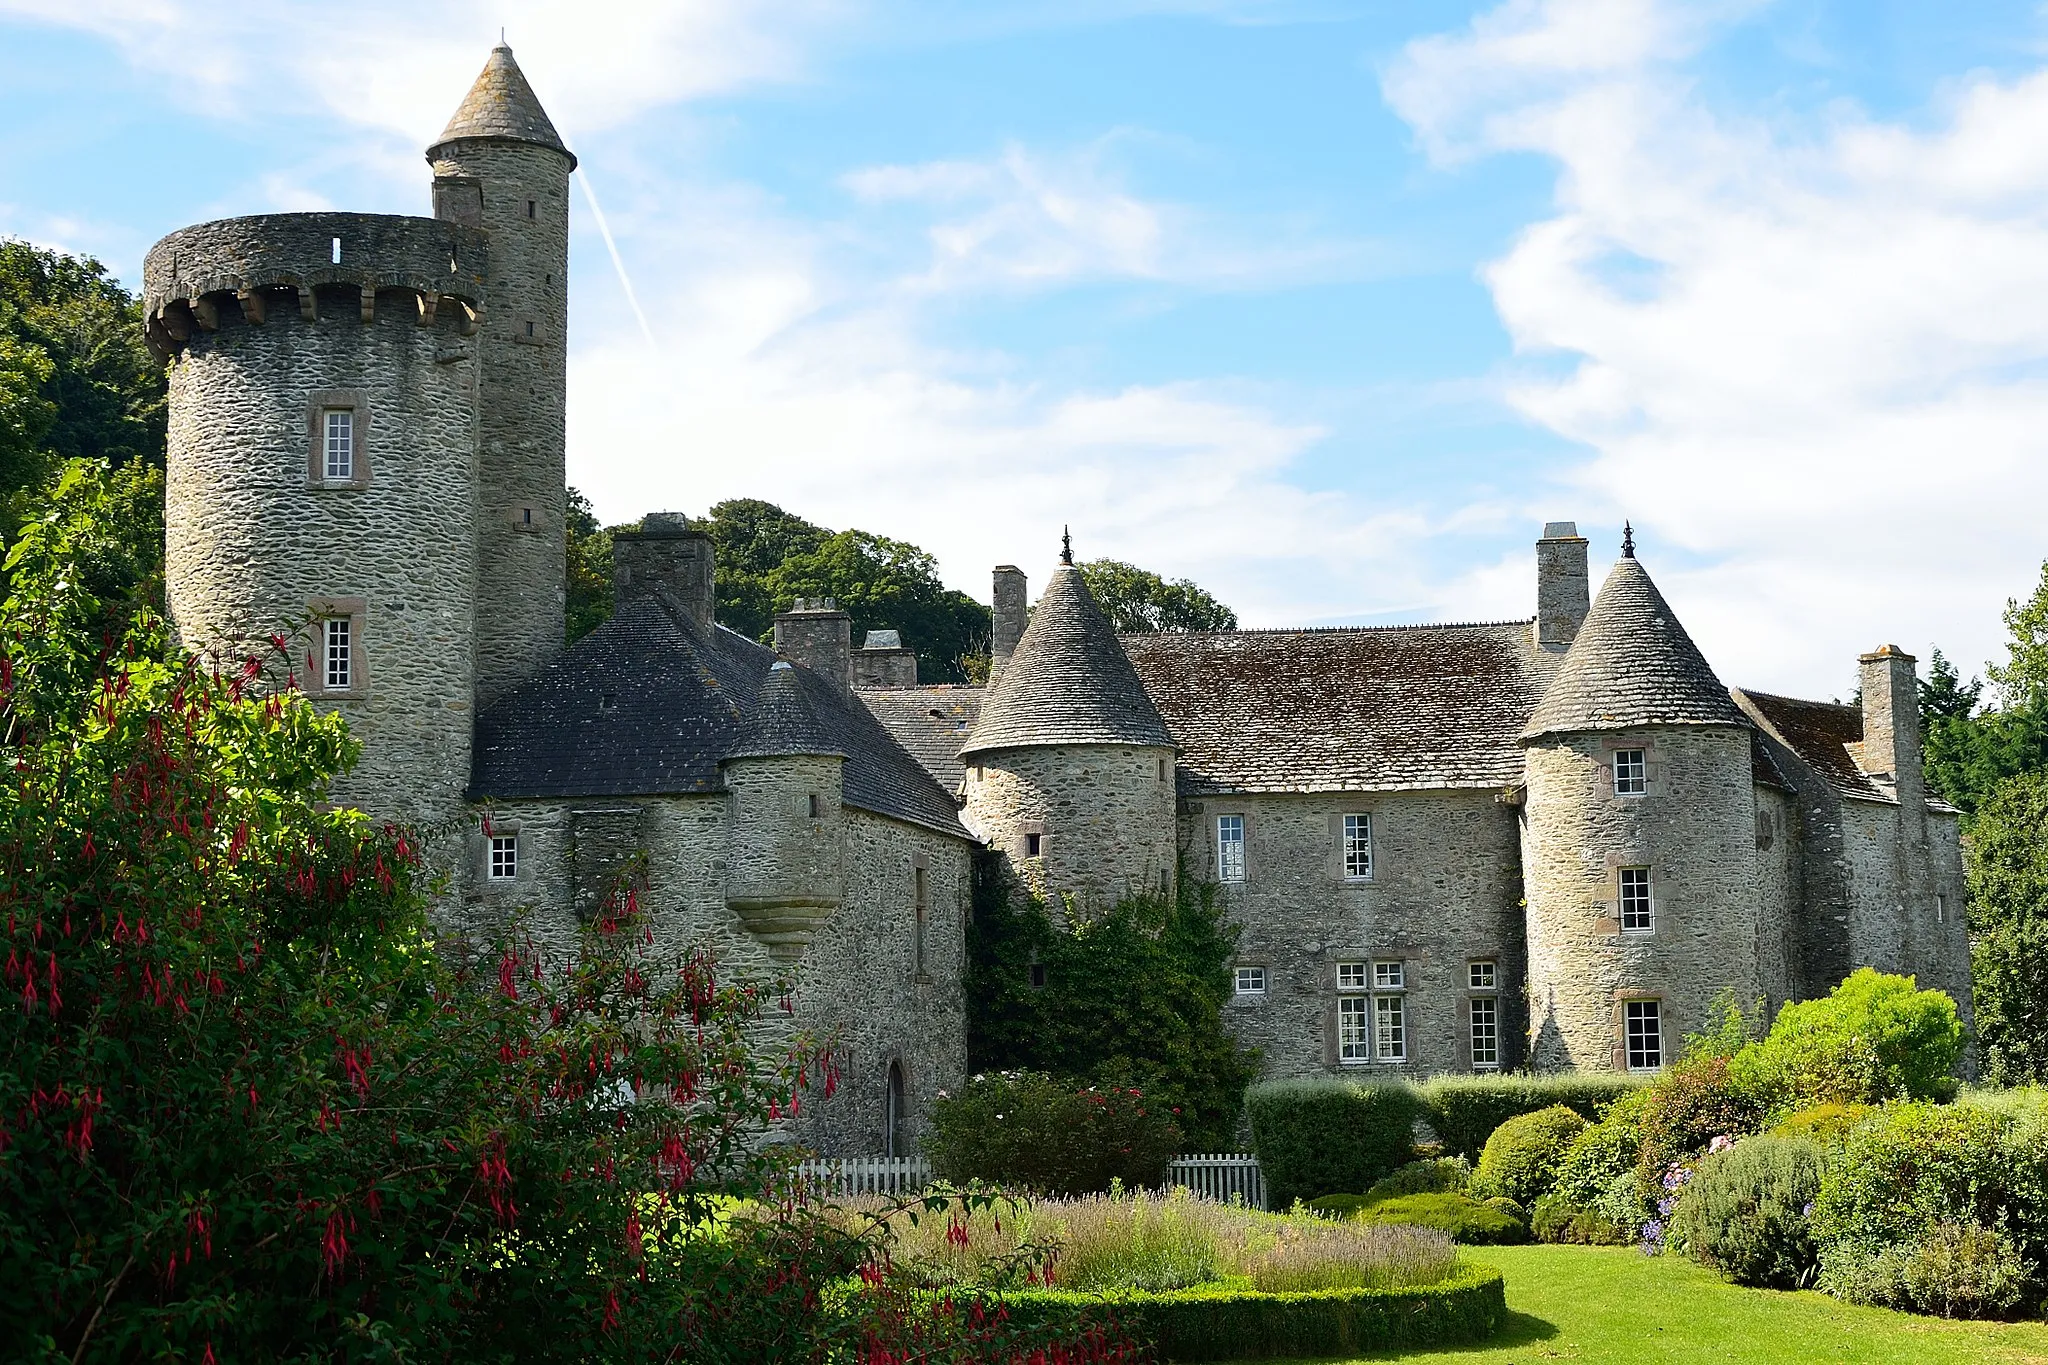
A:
(784, 722)
(501, 105)
(1631, 664)
(1069, 681)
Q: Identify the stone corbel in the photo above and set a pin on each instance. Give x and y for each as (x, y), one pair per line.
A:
(472, 318)
(252, 305)
(369, 302)
(176, 320)
(206, 313)
(428, 302)
(309, 305)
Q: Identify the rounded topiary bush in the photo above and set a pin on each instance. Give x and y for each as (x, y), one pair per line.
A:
(1521, 1159)
(1747, 1212)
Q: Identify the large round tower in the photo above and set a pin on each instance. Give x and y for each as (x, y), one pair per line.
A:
(1639, 839)
(500, 166)
(1070, 770)
(321, 470)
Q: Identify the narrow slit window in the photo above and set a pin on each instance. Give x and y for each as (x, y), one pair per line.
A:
(815, 808)
(1645, 1035)
(1485, 1033)
(1033, 842)
(339, 443)
(335, 251)
(529, 329)
(1038, 976)
(339, 653)
(1358, 848)
(1230, 848)
(1631, 772)
(532, 209)
(504, 857)
(1635, 900)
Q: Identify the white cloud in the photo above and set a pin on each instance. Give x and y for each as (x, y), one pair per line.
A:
(1808, 358)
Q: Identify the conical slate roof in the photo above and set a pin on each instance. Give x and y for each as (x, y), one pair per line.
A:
(502, 105)
(1069, 681)
(1632, 664)
(784, 721)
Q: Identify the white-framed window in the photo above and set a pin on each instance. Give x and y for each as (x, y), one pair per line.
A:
(1480, 974)
(1350, 976)
(1230, 848)
(504, 857)
(1251, 981)
(1354, 1034)
(1485, 1033)
(338, 443)
(1635, 900)
(1631, 773)
(1389, 976)
(1389, 1028)
(1358, 848)
(337, 641)
(1940, 908)
(1644, 1021)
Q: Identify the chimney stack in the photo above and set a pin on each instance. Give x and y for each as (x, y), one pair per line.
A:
(1891, 719)
(1563, 592)
(817, 634)
(668, 553)
(883, 661)
(1010, 616)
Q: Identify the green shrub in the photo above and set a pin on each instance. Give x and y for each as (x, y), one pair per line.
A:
(1824, 1123)
(1746, 1212)
(1510, 1208)
(1219, 1322)
(1685, 1109)
(1873, 1038)
(1338, 1205)
(1464, 1220)
(1913, 1166)
(1329, 1136)
(1606, 1150)
(1522, 1157)
(1031, 1131)
(1431, 1175)
(1557, 1219)
(1464, 1110)
(1954, 1270)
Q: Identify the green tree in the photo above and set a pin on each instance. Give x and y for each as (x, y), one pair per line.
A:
(2024, 676)
(1969, 749)
(2007, 861)
(882, 584)
(1131, 997)
(588, 572)
(1140, 602)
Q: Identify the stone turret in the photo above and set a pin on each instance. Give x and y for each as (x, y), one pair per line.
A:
(785, 869)
(500, 166)
(1070, 771)
(1639, 836)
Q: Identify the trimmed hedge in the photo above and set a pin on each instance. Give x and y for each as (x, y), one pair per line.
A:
(1463, 1220)
(1464, 1110)
(1329, 1136)
(1218, 1322)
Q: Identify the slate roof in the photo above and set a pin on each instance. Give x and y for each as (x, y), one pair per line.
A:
(784, 722)
(1819, 733)
(502, 105)
(648, 703)
(932, 722)
(1068, 682)
(1632, 664)
(1356, 709)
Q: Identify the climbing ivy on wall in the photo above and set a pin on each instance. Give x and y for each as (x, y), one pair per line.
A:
(1130, 997)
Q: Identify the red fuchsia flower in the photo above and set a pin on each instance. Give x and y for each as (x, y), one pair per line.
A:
(333, 1244)
(611, 1310)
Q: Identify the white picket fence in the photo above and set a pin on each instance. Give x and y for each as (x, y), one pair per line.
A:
(868, 1174)
(1226, 1177)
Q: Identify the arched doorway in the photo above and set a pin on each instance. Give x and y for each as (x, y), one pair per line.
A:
(895, 1141)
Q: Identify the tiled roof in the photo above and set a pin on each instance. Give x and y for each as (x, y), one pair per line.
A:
(502, 105)
(1632, 664)
(1369, 709)
(931, 722)
(648, 703)
(1067, 682)
(1819, 733)
(784, 721)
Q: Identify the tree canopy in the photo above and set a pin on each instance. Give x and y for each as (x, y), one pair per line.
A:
(1140, 602)
(2008, 869)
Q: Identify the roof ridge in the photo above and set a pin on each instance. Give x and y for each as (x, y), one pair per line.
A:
(1798, 701)
(1323, 630)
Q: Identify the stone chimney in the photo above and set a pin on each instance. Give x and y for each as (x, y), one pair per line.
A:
(1011, 588)
(667, 553)
(883, 661)
(818, 635)
(1891, 719)
(1563, 594)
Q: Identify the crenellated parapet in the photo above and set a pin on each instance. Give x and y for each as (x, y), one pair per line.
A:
(310, 263)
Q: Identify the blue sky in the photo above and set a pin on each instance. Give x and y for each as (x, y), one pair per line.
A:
(1327, 306)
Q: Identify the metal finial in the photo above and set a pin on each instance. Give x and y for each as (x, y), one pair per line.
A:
(1066, 546)
(1628, 541)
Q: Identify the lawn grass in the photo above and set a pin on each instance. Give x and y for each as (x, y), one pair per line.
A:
(1602, 1304)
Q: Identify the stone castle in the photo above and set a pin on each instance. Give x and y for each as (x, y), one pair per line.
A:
(1450, 848)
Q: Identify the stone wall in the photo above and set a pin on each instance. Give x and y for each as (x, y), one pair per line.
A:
(858, 981)
(521, 492)
(1102, 816)
(1780, 902)
(252, 545)
(787, 871)
(1444, 893)
(1695, 830)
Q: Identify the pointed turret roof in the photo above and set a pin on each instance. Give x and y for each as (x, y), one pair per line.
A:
(1069, 681)
(1632, 664)
(784, 721)
(501, 105)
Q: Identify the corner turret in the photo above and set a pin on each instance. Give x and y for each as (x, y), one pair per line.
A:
(786, 866)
